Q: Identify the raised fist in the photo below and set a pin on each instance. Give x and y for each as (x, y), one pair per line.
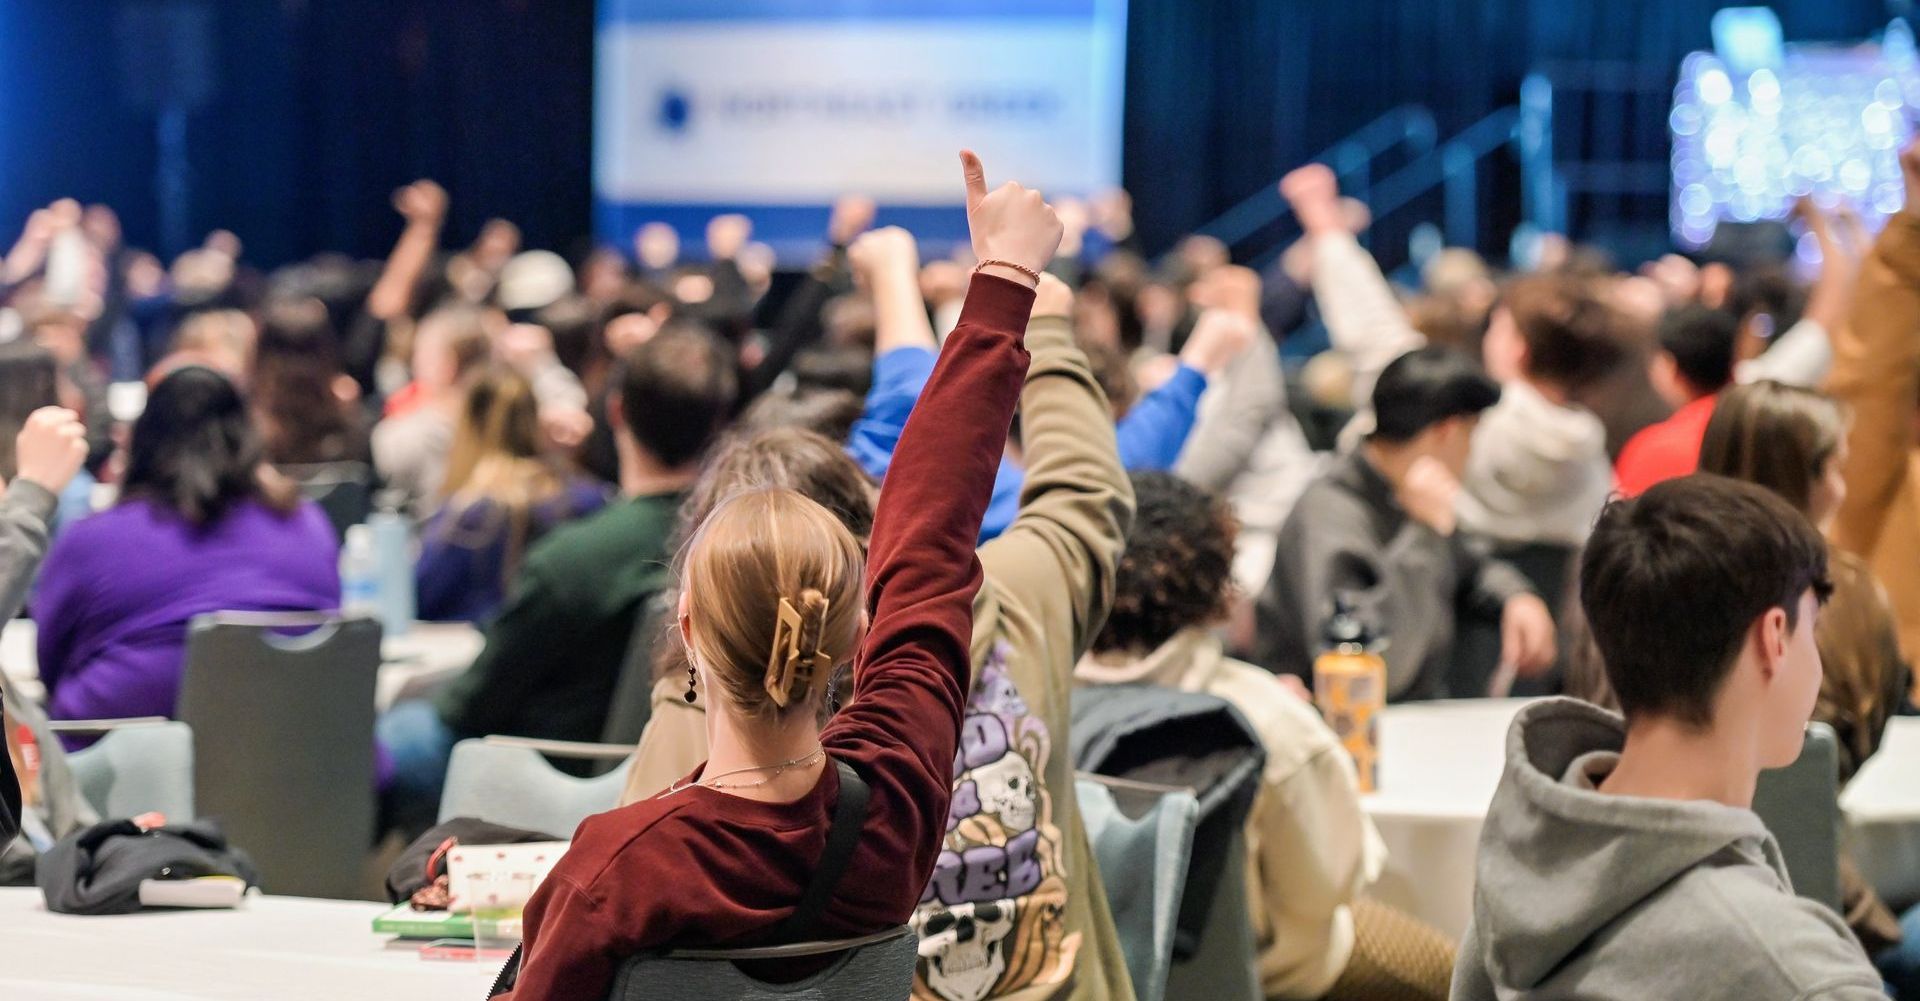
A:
(1314, 193)
(1218, 337)
(852, 216)
(422, 203)
(884, 251)
(51, 447)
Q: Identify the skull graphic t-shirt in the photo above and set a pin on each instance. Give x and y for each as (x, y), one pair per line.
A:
(992, 920)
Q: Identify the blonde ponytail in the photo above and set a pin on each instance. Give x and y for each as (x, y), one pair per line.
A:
(773, 583)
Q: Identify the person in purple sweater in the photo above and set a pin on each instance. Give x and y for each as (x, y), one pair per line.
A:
(202, 525)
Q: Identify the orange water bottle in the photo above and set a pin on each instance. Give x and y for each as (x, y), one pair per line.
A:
(1350, 687)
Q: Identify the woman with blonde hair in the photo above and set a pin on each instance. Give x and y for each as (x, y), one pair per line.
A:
(502, 493)
(771, 601)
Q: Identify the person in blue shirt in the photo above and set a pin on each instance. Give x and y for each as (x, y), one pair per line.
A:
(1150, 435)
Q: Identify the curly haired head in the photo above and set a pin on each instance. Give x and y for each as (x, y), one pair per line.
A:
(1177, 569)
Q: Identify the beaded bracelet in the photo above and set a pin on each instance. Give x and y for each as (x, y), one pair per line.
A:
(1023, 269)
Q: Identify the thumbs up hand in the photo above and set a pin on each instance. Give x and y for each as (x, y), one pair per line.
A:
(1012, 223)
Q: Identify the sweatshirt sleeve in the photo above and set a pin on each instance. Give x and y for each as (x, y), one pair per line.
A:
(1234, 417)
(911, 674)
(1487, 583)
(1364, 319)
(1313, 839)
(1062, 550)
(1152, 434)
(25, 512)
(1876, 372)
(1801, 357)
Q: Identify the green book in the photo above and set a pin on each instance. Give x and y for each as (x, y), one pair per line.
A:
(406, 922)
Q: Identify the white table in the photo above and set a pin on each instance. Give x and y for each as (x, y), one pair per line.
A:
(1439, 765)
(271, 947)
(1882, 805)
(416, 662)
(1441, 761)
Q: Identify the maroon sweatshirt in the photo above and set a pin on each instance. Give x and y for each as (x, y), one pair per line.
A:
(701, 867)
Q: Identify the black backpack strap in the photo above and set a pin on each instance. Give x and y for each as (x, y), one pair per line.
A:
(849, 816)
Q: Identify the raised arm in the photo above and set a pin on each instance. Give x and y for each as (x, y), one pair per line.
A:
(1057, 559)
(1248, 395)
(1803, 354)
(424, 205)
(1876, 372)
(49, 452)
(1365, 321)
(911, 673)
(796, 325)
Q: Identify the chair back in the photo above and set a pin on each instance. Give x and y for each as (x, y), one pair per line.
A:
(137, 766)
(507, 781)
(344, 490)
(1800, 804)
(1137, 828)
(283, 742)
(632, 704)
(1224, 967)
(874, 968)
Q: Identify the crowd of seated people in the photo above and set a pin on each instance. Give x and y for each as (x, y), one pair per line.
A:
(864, 530)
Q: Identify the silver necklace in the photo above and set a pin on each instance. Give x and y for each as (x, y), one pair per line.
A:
(778, 770)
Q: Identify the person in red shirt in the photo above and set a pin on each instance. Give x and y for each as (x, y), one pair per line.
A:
(1694, 364)
(724, 855)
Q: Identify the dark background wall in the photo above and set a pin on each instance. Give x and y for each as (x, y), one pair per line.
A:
(320, 107)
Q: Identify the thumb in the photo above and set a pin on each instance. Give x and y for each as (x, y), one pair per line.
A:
(976, 178)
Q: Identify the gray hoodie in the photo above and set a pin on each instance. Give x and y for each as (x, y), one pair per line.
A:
(1538, 472)
(1581, 894)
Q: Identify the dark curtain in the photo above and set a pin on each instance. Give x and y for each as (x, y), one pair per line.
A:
(322, 107)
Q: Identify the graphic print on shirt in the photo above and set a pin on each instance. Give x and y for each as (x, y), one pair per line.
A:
(992, 920)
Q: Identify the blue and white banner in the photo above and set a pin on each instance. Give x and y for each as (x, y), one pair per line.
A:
(774, 108)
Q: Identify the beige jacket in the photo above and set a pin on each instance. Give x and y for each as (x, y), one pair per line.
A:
(1876, 372)
(1310, 848)
(1049, 583)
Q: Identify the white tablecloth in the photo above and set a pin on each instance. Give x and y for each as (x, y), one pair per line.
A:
(284, 948)
(417, 661)
(1882, 805)
(1440, 763)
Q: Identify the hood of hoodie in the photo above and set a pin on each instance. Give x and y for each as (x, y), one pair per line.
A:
(1537, 469)
(1187, 660)
(1560, 861)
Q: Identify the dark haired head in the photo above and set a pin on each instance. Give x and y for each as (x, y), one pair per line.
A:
(677, 391)
(848, 367)
(1569, 330)
(195, 450)
(1701, 342)
(1672, 581)
(572, 321)
(1766, 290)
(1177, 570)
(295, 369)
(830, 413)
(29, 380)
(1426, 386)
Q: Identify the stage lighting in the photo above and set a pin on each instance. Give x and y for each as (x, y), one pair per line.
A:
(1750, 138)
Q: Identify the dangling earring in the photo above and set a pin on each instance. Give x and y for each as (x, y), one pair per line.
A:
(833, 697)
(690, 676)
